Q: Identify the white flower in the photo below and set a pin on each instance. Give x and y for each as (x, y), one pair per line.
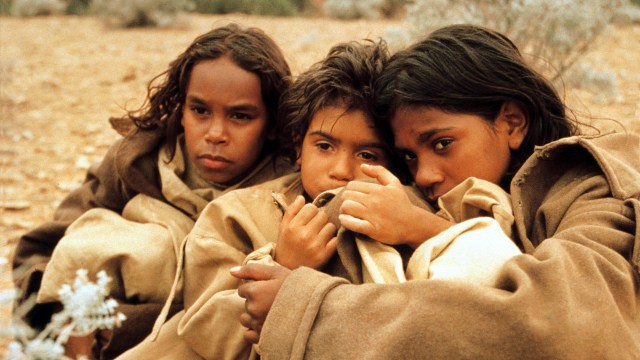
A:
(85, 310)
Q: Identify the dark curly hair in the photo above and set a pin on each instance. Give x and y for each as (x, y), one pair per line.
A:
(344, 77)
(473, 70)
(249, 48)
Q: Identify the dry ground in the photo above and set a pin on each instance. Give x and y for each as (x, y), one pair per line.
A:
(61, 78)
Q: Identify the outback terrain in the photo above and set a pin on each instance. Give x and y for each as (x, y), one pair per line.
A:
(61, 78)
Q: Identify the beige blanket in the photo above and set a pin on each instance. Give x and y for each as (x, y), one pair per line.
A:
(472, 250)
(128, 247)
(139, 249)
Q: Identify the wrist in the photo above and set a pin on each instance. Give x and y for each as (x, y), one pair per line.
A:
(428, 226)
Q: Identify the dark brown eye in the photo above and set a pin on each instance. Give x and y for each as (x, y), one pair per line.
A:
(442, 144)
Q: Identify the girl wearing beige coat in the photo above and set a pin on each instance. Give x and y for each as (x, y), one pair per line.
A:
(462, 103)
(207, 128)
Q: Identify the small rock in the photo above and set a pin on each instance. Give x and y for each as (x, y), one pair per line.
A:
(83, 162)
(15, 204)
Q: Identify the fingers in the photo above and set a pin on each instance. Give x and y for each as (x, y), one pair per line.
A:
(251, 322)
(309, 214)
(380, 173)
(293, 209)
(255, 271)
(328, 231)
(313, 223)
(354, 208)
(259, 295)
(332, 246)
(254, 328)
(251, 336)
(356, 225)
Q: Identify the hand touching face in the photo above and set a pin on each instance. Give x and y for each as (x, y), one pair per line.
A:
(336, 143)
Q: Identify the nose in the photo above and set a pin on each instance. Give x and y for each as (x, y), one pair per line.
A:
(343, 167)
(427, 174)
(217, 131)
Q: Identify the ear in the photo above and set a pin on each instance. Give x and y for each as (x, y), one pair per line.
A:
(513, 117)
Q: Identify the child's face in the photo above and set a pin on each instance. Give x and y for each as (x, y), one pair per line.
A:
(333, 148)
(443, 149)
(225, 120)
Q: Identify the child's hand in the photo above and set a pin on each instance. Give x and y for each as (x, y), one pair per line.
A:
(384, 211)
(260, 293)
(306, 238)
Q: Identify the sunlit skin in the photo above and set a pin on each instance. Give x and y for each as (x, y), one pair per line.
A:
(442, 149)
(334, 147)
(225, 120)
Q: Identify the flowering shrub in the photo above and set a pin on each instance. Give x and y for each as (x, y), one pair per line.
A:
(37, 7)
(354, 9)
(554, 34)
(138, 13)
(85, 310)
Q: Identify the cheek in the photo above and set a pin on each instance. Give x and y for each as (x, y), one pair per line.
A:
(258, 133)
(192, 129)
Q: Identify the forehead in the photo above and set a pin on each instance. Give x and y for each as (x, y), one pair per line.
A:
(340, 121)
(224, 76)
(416, 120)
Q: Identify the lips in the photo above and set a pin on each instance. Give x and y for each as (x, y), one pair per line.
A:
(214, 162)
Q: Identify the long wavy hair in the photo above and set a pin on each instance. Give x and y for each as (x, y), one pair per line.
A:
(249, 48)
(472, 70)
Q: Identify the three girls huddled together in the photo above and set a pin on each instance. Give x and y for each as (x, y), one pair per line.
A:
(434, 203)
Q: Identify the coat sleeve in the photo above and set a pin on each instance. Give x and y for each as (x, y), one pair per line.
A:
(228, 229)
(575, 296)
(101, 188)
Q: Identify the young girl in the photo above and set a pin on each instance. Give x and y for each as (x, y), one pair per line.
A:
(208, 127)
(328, 131)
(463, 103)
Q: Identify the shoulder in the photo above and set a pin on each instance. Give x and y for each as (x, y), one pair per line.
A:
(613, 156)
(139, 143)
(580, 185)
(278, 185)
(249, 207)
(254, 198)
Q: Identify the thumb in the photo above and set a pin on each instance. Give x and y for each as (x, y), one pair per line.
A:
(255, 271)
(380, 173)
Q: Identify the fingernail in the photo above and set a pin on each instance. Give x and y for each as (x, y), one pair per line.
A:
(235, 269)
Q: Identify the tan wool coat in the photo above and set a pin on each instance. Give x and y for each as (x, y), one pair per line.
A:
(573, 294)
(246, 219)
(129, 218)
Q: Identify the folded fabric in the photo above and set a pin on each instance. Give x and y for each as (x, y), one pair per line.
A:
(127, 247)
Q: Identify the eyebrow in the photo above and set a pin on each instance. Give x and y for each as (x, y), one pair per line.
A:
(424, 137)
(239, 107)
(372, 144)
